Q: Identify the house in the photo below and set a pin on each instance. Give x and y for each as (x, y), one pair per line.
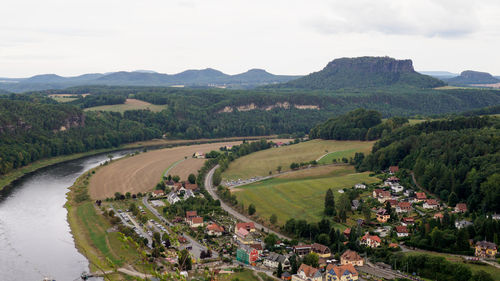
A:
(372, 241)
(392, 179)
(258, 247)
(461, 208)
(393, 169)
(355, 205)
(407, 221)
(190, 214)
(195, 222)
(214, 229)
(274, 259)
(351, 257)
(438, 216)
(190, 186)
(408, 192)
(199, 155)
(403, 207)
(322, 250)
(359, 186)
(420, 196)
(173, 198)
(246, 254)
(243, 236)
(392, 202)
(486, 249)
(402, 231)
(308, 273)
(248, 226)
(397, 188)
(393, 245)
(158, 193)
(301, 250)
(188, 194)
(286, 276)
(462, 224)
(431, 204)
(381, 195)
(495, 216)
(345, 272)
(383, 216)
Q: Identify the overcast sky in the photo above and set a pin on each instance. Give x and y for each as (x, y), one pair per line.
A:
(71, 37)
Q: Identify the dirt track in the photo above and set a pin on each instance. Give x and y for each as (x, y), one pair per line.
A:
(142, 172)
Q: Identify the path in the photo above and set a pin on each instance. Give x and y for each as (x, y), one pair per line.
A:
(210, 188)
(172, 166)
(418, 185)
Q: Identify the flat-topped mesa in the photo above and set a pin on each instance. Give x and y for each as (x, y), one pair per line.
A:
(371, 65)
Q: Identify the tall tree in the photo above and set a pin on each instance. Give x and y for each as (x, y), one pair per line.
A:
(329, 203)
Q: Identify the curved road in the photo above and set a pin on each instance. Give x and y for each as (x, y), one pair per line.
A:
(210, 188)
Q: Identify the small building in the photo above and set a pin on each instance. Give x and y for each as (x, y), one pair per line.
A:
(158, 193)
(258, 247)
(420, 196)
(243, 236)
(248, 226)
(486, 249)
(190, 186)
(403, 207)
(307, 273)
(462, 224)
(199, 155)
(392, 202)
(372, 241)
(173, 198)
(407, 221)
(273, 260)
(359, 186)
(393, 169)
(408, 192)
(246, 255)
(322, 250)
(301, 250)
(286, 276)
(214, 229)
(461, 208)
(345, 272)
(354, 205)
(383, 216)
(402, 231)
(195, 222)
(438, 216)
(432, 204)
(381, 195)
(397, 188)
(190, 215)
(351, 257)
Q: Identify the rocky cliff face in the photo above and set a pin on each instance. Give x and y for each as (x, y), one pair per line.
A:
(371, 65)
(470, 77)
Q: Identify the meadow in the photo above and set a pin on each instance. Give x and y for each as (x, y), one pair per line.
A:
(260, 163)
(301, 194)
(130, 104)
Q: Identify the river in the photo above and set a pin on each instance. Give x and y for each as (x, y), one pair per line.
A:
(35, 237)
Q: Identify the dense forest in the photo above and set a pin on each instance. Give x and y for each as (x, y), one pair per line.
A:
(456, 158)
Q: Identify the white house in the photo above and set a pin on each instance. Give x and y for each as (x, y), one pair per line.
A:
(402, 231)
(274, 259)
(360, 186)
(397, 188)
(431, 204)
(173, 198)
(462, 224)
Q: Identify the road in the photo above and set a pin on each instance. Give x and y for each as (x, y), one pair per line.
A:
(210, 188)
(197, 247)
(134, 224)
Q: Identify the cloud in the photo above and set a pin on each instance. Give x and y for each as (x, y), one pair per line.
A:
(403, 17)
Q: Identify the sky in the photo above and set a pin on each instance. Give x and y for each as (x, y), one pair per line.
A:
(72, 37)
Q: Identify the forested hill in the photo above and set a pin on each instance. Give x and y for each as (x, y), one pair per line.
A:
(363, 72)
(457, 159)
(470, 77)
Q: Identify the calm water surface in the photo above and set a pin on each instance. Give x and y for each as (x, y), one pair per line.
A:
(35, 238)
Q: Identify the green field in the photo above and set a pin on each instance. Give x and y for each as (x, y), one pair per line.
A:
(260, 163)
(493, 271)
(299, 197)
(63, 99)
(245, 275)
(130, 104)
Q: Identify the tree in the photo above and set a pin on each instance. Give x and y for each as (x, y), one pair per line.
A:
(270, 241)
(110, 156)
(185, 262)
(294, 166)
(251, 209)
(157, 237)
(366, 213)
(329, 203)
(279, 169)
(279, 271)
(192, 179)
(311, 259)
(176, 178)
(217, 178)
(273, 219)
(294, 264)
(324, 239)
(452, 199)
(481, 275)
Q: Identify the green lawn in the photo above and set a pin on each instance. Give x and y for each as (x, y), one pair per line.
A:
(245, 275)
(261, 162)
(299, 198)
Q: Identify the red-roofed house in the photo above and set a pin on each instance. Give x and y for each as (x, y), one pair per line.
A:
(438, 216)
(190, 215)
(393, 169)
(431, 204)
(403, 207)
(381, 195)
(383, 216)
(195, 221)
(308, 273)
(244, 236)
(158, 193)
(345, 272)
(393, 202)
(372, 241)
(402, 231)
(214, 229)
(420, 196)
(408, 221)
(248, 226)
(351, 257)
(461, 208)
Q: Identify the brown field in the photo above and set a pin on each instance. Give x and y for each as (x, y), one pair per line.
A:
(130, 104)
(142, 172)
(158, 142)
(186, 167)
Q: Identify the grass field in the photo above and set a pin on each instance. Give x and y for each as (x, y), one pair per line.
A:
(300, 195)
(245, 275)
(260, 163)
(63, 99)
(130, 104)
(493, 271)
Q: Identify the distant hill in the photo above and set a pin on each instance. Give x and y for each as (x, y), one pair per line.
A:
(200, 78)
(439, 74)
(470, 77)
(364, 72)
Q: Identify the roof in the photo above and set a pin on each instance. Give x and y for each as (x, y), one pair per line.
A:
(347, 231)
(382, 212)
(341, 270)
(158, 192)
(257, 246)
(242, 232)
(408, 220)
(190, 186)
(215, 227)
(438, 215)
(401, 229)
(191, 214)
(372, 237)
(245, 225)
(319, 248)
(393, 169)
(393, 179)
(197, 220)
(351, 256)
(421, 195)
(432, 202)
(393, 245)
(309, 271)
(404, 205)
(276, 257)
(486, 244)
(302, 247)
(461, 207)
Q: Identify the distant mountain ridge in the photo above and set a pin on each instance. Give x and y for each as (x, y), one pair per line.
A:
(208, 77)
(364, 72)
(470, 77)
